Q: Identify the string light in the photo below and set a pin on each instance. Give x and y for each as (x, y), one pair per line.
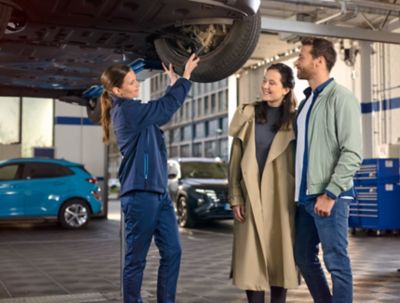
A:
(268, 61)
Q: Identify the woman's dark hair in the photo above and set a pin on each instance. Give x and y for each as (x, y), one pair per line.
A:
(113, 76)
(289, 101)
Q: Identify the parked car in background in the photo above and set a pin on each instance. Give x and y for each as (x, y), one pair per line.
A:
(198, 188)
(49, 189)
(58, 49)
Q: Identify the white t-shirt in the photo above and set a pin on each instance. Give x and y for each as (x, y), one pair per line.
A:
(301, 144)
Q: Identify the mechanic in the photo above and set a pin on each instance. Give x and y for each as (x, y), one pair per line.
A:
(143, 175)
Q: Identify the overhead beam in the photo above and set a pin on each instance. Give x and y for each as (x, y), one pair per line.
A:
(311, 29)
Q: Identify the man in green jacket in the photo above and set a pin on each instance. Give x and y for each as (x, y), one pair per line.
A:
(328, 153)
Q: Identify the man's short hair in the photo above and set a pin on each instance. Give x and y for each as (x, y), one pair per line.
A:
(321, 47)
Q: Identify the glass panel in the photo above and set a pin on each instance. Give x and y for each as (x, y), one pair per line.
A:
(9, 120)
(173, 151)
(213, 104)
(200, 130)
(44, 170)
(199, 107)
(187, 133)
(185, 150)
(206, 105)
(37, 124)
(197, 150)
(210, 149)
(8, 172)
(204, 170)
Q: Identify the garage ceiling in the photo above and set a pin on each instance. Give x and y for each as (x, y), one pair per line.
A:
(355, 14)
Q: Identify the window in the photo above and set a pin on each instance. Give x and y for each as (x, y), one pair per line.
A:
(206, 105)
(199, 130)
(226, 100)
(187, 133)
(44, 170)
(204, 170)
(210, 149)
(176, 135)
(37, 124)
(173, 151)
(199, 107)
(9, 172)
(182, 134)
(224, 125)
(194, 131)
(185, 150)
(197, 150)
(224, 149)
(221, 101)
(187, 114)
(213, 104)
(10, 120)
(166, 136)
(206, 129)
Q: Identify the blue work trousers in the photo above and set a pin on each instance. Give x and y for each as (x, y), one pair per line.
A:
(331, 232)
(147, 214)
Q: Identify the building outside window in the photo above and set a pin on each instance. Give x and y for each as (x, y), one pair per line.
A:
(197, 149)
(185, 151)
(210, 149)
(205, 105)
(199, 128)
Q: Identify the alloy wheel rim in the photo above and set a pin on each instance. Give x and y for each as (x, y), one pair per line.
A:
(76, 215)
(182, 212)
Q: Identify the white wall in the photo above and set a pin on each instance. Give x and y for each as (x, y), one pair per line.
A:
(78, 142)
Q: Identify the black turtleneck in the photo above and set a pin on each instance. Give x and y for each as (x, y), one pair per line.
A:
(264, 135)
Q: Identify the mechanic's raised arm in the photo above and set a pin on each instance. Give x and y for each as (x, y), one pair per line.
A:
(160, 111)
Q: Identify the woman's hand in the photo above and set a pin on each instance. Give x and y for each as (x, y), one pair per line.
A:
(170, 72)
(239, 213)
(191, 64)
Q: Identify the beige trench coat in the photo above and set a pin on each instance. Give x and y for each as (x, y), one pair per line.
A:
(263, 245)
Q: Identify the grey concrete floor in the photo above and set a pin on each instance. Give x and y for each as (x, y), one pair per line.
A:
(46, 264)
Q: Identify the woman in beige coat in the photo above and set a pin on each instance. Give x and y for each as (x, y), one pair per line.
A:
(261, 189)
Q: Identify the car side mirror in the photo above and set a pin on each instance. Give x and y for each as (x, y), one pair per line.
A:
(172, 176)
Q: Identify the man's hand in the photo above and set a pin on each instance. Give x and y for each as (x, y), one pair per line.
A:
(324, 205)
(239, 213)
(170, 72)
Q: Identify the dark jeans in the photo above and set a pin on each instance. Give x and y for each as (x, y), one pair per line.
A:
(147, 214)
(331, 232)
(278, 295)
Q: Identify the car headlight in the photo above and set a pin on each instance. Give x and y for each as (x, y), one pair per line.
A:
(210, 193)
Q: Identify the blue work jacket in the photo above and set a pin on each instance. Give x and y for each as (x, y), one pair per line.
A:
(141, 141)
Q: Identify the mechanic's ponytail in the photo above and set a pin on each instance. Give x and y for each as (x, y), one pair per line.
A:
(112, 77)
(106, 104)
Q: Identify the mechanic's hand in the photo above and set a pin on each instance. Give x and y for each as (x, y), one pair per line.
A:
(170, 72)
(324, 205)
(239, 213)
(191, 64)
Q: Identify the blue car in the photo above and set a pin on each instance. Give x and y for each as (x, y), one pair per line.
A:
(32, 188)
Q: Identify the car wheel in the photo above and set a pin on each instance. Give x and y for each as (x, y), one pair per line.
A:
(93, 110)
(74, 214)
(223, 48)
(5, 14)
(183, 213)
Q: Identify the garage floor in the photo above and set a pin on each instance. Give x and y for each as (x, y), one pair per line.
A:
(46, 264)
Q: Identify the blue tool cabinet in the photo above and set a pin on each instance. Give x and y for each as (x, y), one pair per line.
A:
(377, 202)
